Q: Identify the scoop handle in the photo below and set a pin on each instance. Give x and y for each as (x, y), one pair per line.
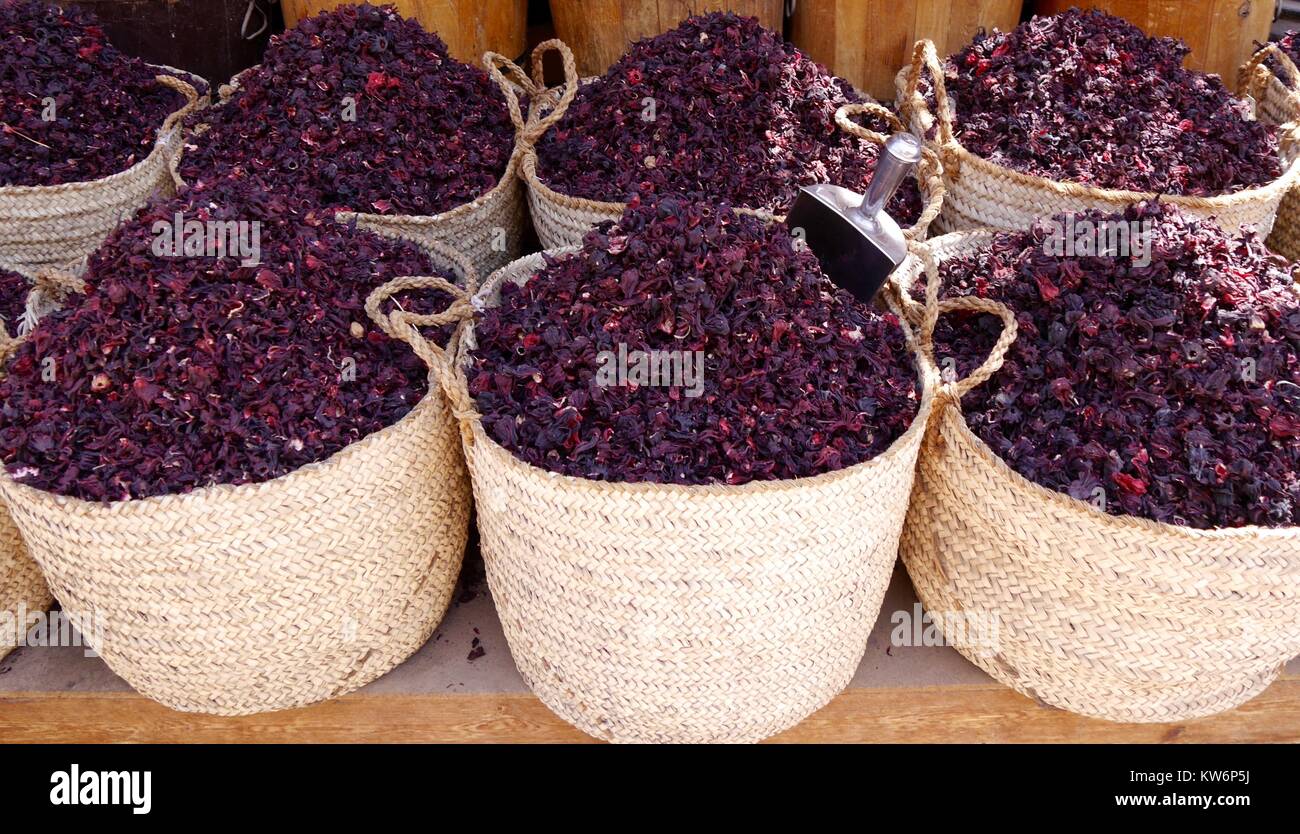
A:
(897, 159)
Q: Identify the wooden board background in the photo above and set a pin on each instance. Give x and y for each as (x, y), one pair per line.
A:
(868, 41)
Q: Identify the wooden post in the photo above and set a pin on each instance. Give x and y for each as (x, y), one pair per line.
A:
(470, 27)
(867, 41)
(600, 31)
(1221, 33)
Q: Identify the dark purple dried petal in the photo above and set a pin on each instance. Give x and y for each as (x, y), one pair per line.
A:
(799, 378)
(1172, 387)
(739, 116)
(1086, 97)
(13, 299)
(108, 107)
(428, 132)
(178, 373)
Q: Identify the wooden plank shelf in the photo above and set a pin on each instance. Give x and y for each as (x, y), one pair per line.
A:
(899, 694)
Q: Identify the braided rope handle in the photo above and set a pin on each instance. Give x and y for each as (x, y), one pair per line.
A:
(404, 326)
(925, 57)
(929, 173)
(186, 89)
(1249, 71)
(1253, 79)
(925, 317)
(51, 287)
(510, 77)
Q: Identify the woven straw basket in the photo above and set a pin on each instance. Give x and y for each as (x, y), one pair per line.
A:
(240, 599)
(670, 613)
(1276, 103)
(57, 224)
(982, 194)
(562, 220)
(489, 229)
(1114, 617)
(22, 588)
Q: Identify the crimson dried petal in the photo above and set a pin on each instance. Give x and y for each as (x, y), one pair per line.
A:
(429, 132)
(13, 299)
(798, 377)
(1171, 389)
(108, 107)
(178, 373)
(739, 115)
(1087, 97)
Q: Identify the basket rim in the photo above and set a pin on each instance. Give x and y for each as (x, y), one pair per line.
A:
(204, 498)
(511, 172)
(159, 145)
(957, 243)
(926, 378)
(1283, 183)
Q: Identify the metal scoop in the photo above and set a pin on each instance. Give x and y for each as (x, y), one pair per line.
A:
(857, 242)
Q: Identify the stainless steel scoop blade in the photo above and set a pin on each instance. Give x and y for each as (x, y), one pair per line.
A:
(855, 239)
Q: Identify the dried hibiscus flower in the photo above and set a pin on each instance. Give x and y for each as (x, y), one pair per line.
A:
(175, 373)
(1167, 389)
(717, 109)
(359, 109)
(72, 107)
(1087, 97)
(13, 299)
(767, 370)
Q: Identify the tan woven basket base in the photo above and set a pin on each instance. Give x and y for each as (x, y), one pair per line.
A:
(22, 588)
(1107, 616)
(56, 225)
(234, 600)
(665, 613)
